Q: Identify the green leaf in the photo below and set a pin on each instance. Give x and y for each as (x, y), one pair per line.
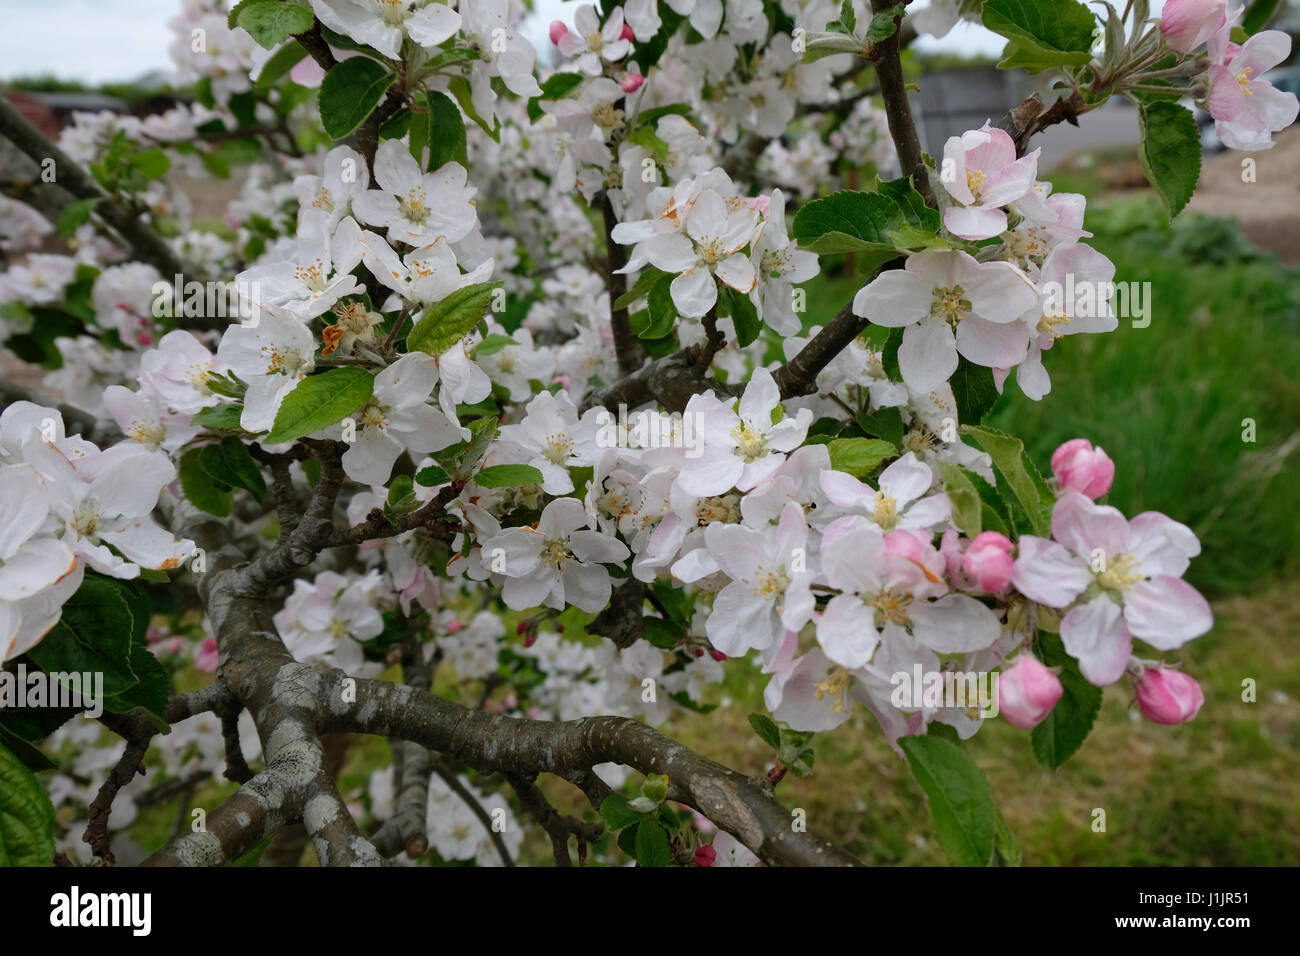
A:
(1170, 152)
(459, 87)
(766, 729)
(1258, 14)
(507, 476)
(447, 143)
(26, 816)
(975, 391)
(663, 311)
(271, 23)
(75, 215)
(910, 202)
(965, 819)
(93, 636)
(199, 488)
(884, 24)
(886, 423)
(350, 92)
(555, 88)
(254, 856)
(641, 288)
(230, 463)
(493, 344)
(653, 116)
(1059, 32)
(280, 63)
(432, 476)
(847, 22)
(850, 222)
(859, 457)
(459, 459)
(744, 316)
(967, 508)
(31, 757)
(647, 137)
(224, 417)
(320, 401)
(652, 847)
(616, 813)
(444, 323)
(1006, 851)
(151, 690)
(1008, 454)
(1064, 730)
(151, 163)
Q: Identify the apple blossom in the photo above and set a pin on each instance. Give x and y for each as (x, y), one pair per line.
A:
(1167, 696)
(1027, 692)
(1079, 467)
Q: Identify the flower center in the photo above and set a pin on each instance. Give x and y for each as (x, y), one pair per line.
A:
(339, 627)
(836, 685)
(557, 449)
(1121, 573)
(392, 12)
(147, 433)
(722, 509)
(891, 606)
(886, 511)
(771, 582)
(1049, 323)
(312, 276)
(556, 553)
(415, 206)
(1243, 78)
(750, 444)
(975, 182)
(950, 305)
(323, 200)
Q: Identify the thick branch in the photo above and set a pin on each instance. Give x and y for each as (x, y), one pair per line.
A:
(626, 347)
(902, 126)
(737, 803)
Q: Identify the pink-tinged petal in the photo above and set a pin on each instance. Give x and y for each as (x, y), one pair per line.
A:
(990, 344)
(846, 631)
(954, 624)
(1083, 527)
(1166, 612)
(928, 355)
(1262, 52)
(894, 299)
(1226, 101)
(1161, 544)
(797, 605)
(741, 622)
(760, 397)
(793, 697)
(906, 479)
(1047, 573)
(999, 292)
(845, 490)
(37, 565)
(1095, 635)
(1277, 110)
(974, 222)
(713, 473)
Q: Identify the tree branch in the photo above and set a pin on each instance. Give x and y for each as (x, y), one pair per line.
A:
(626, 346)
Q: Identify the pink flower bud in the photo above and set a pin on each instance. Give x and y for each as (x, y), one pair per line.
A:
(558, 30)
(531, 639)
(453, 626)
(699, 652)
(705, 855)
(988, 560)
(719, 656)
(522, 627)
(1167, 696)
(207, 658)
(1080, 467)
(627, 34)
(704, 825)
(559, 628)
(144, 338)
(632, 82)
(1186, 24)
(1027, 692)
(307, 73)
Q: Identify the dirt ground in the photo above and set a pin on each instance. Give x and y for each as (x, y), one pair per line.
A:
(1267, 208)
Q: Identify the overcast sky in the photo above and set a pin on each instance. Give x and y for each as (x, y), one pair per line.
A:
(100, 40)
